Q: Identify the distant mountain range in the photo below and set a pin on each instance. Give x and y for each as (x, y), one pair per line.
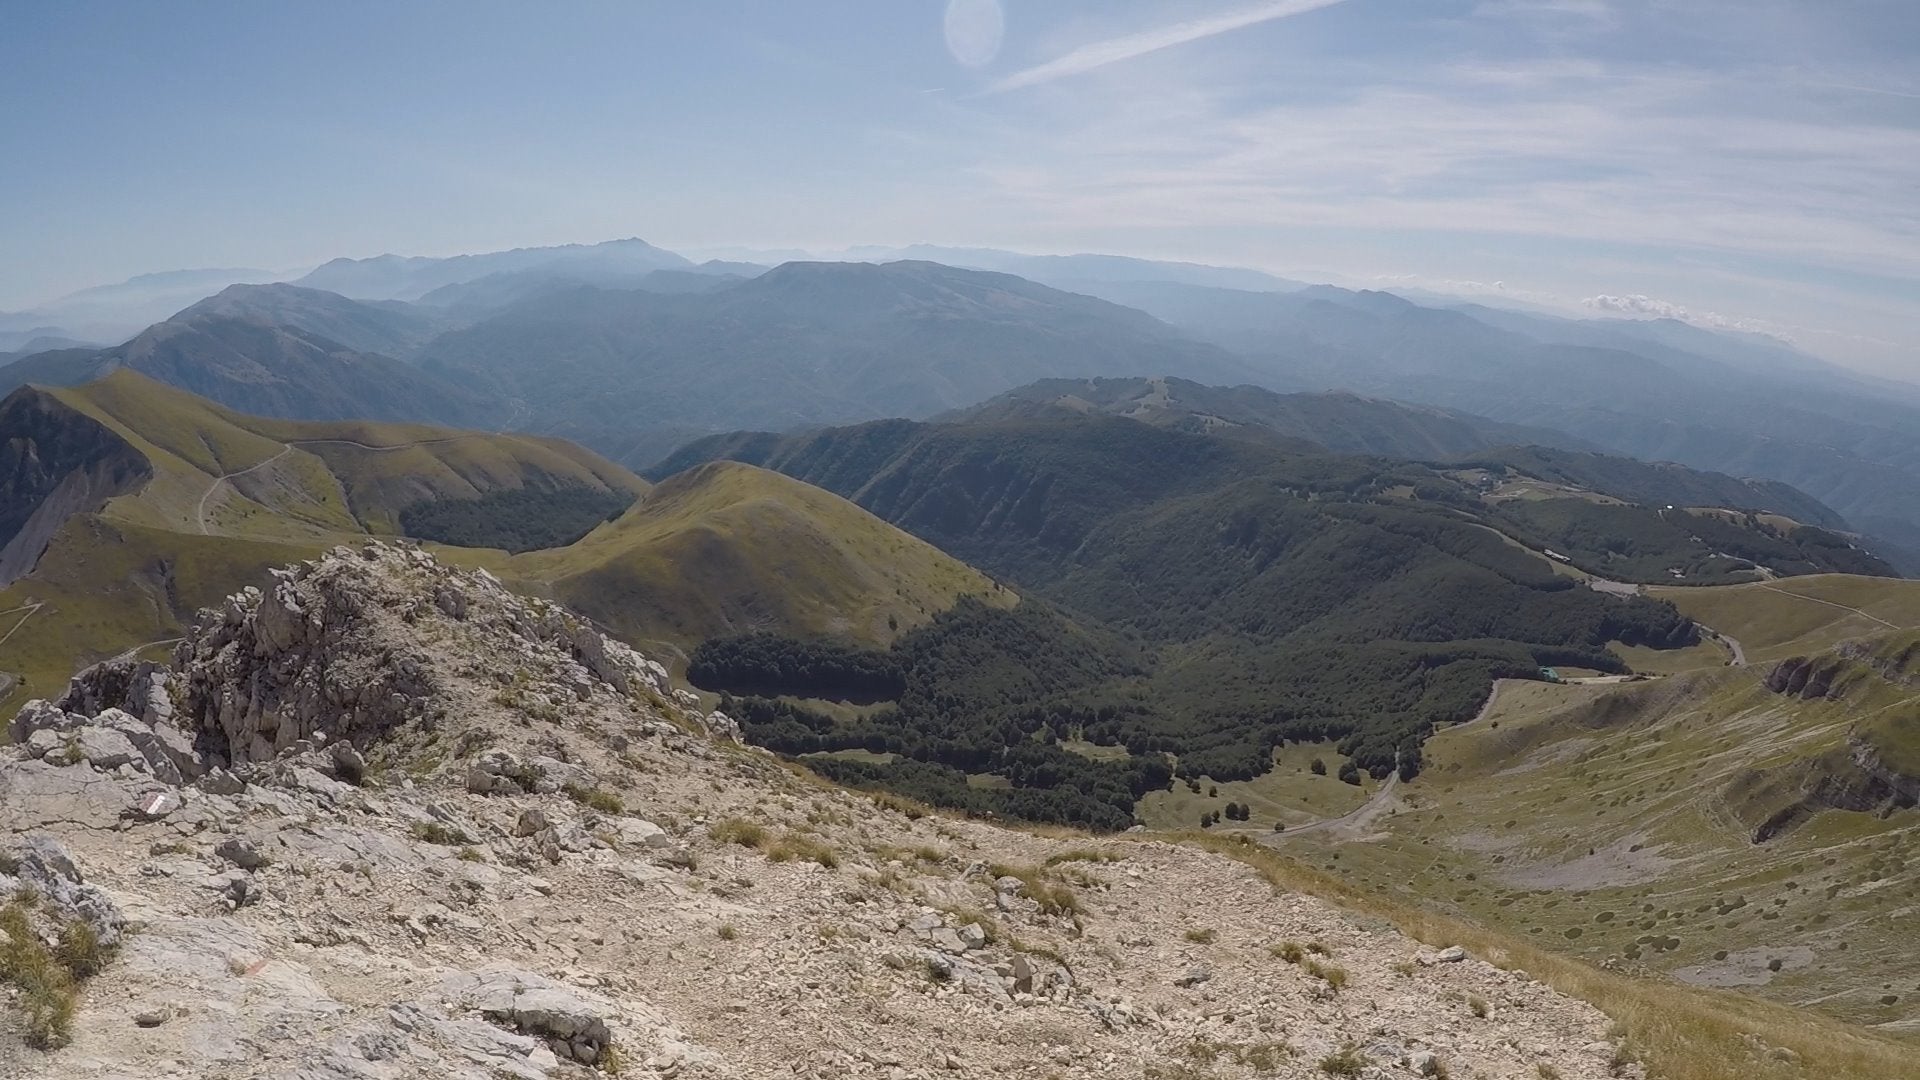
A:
(249, 348)
(634, 349)
(1344, 423)
(633, 373)
(395, 277)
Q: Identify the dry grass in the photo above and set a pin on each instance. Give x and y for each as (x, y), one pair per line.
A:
(739, 831)
(596, 798)
(1678, 1032)
(798, 847)
(1037, 884)
(46, 981)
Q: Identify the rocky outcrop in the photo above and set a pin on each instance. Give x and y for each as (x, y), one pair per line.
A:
(386, 820)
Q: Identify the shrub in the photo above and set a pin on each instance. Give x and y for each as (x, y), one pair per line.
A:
(1477, 1005)
(1290, 951)
(1319, 767)
(727, 932)
(1203, 935)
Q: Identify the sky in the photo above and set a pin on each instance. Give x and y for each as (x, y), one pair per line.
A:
(1750, 164)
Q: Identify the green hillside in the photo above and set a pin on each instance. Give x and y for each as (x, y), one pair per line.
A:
(1773, 620)
(730, 549)
(1237, 597)
(1703, 827)
(190, 501)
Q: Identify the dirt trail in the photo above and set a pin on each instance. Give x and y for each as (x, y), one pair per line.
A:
(1733, 644)
(200, 512)
(31, 610)
(1356, 818)
(1829, 603)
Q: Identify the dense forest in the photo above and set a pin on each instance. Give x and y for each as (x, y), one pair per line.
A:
(1703, 547)
(1195, 600)
(775, 665)
(519, 519)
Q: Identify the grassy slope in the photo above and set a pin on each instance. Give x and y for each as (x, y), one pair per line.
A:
(133, 572)
(338, 477)
(723, 549)
(1615, 823)
(1796, 616)
(730, 548)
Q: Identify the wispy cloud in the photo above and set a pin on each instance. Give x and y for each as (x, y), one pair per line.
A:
(1101, 53)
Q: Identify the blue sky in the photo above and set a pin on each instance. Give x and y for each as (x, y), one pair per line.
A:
(1751, 163)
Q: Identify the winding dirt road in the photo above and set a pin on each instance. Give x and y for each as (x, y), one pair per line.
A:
(200, 512)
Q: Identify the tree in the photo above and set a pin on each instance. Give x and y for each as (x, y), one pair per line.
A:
(1319, 768)
(1350, 773)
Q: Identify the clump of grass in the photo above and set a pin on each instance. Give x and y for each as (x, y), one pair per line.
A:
(802, 848)
(1546, 1071)
(1477, 1005)
(1265, 1057)
(469, 854)
(1334, 977)
(1202, 935)
(434, 832)
(735, 830)
(727, 932)
(47, 981)
(1037, 885)
(596, 798)
(1031, 949)
(1345, 1061)
(962, 916)
(1290, 951)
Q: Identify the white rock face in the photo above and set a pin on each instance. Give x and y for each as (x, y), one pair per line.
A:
(365, 823)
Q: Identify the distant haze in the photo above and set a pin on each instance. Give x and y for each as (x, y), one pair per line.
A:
(1613, 157)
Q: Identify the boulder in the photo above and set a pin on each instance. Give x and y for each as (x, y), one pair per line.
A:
(497, 772)
(105, 749)
(240, 852)
(42, 864)
(38, 715)
(572, 1024)
(533, 820)
(640, 833)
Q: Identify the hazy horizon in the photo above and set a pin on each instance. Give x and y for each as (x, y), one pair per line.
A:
(1748, 166)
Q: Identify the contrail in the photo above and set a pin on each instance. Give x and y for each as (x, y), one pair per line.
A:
(1101, 53)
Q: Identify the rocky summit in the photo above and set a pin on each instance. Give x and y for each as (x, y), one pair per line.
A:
(387, 819)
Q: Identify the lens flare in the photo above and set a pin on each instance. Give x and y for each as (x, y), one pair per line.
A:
(973, 31)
